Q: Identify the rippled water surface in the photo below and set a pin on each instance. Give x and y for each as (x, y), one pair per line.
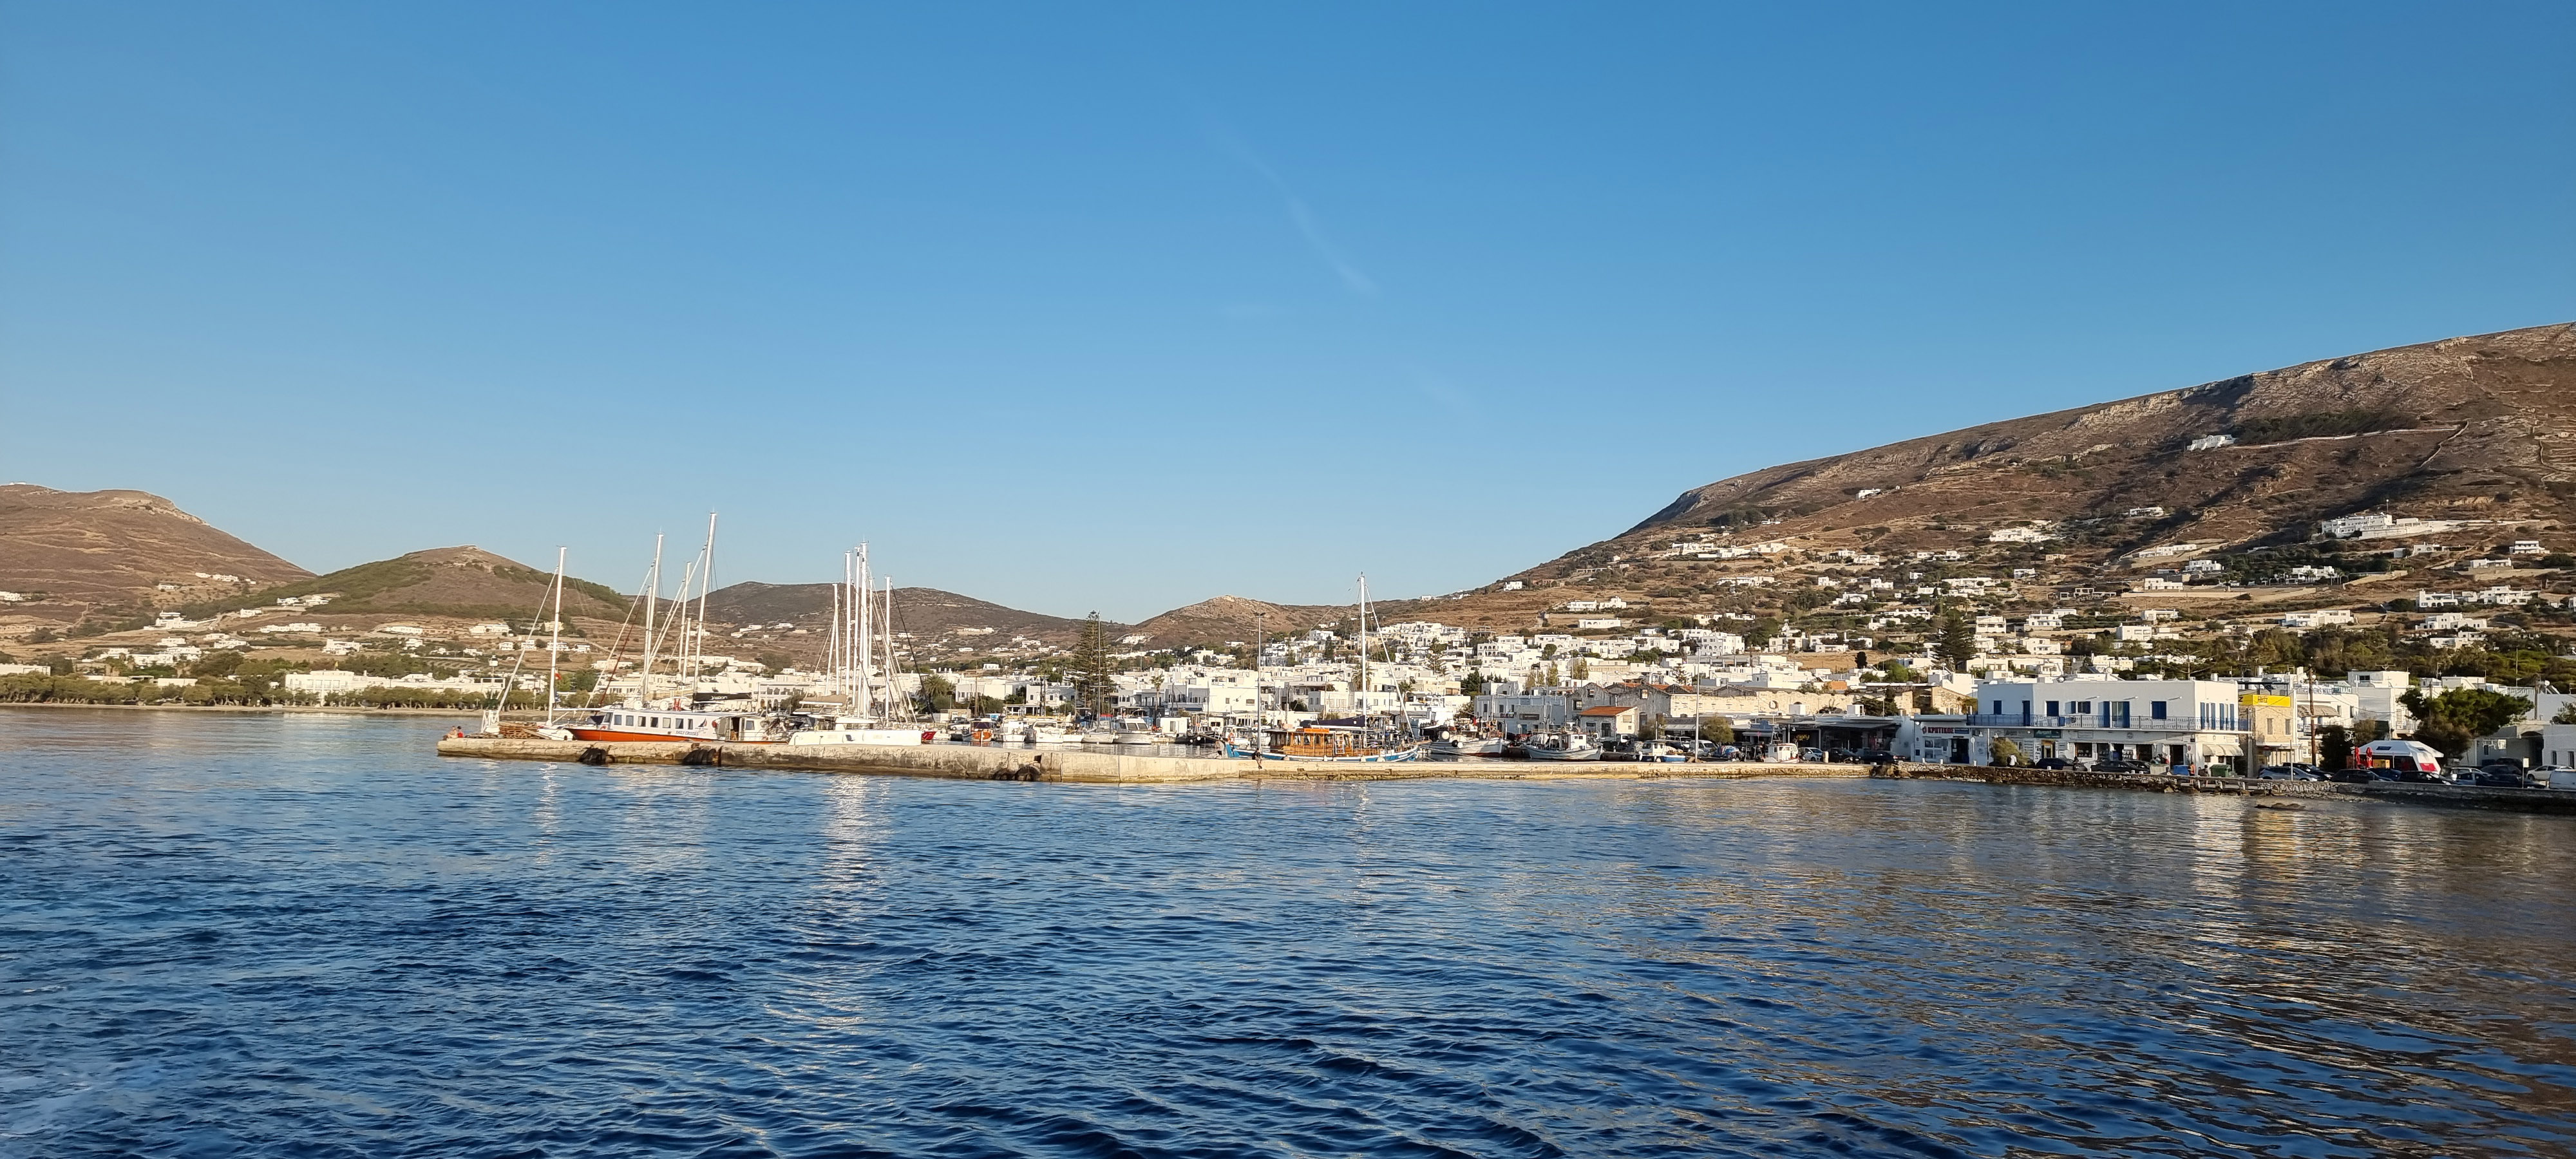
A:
(304, 935)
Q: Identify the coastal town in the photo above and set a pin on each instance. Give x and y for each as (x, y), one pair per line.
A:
(2004, 650)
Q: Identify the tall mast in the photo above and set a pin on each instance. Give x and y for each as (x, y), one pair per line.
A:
(706, 580)
(678, 624)
(1363, 681)
(866, 635)
(554, 638)
(652, 596)
(886, 583)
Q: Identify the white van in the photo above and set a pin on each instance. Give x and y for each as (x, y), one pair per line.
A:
(2401, 756)
(2562, 778)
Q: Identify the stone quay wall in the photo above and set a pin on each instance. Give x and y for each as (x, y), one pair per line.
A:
(1000, 763)
(2453, 796)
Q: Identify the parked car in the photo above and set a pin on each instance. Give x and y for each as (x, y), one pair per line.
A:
(2287, 773)
(2052, 763)
(2119, 765)
(2561, 778)
(2361, 776)
(2502, 777)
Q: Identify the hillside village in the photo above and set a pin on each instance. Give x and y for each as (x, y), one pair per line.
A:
(2253, 569)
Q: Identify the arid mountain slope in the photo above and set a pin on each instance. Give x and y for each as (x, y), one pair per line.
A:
(924, 612)
(85, 549)
(454, 581)
(2481, 427)
(1234, 619)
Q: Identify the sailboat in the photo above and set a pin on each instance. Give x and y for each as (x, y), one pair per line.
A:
(1366, 742)
(683, 711)
(861, 659)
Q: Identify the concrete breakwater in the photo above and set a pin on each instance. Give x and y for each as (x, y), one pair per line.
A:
(2453, 796)
(995, 763)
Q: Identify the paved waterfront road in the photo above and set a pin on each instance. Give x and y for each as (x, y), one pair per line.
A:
(254, 935)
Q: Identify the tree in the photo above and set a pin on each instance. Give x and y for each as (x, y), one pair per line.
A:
(2566, 715)
(1651, 727)
(216, 664)
(1091, 667)
(938, 693)
(2334, 747)
(1472, 685)
(1716, 730)
(2455, 720)
(1580, 669)
(1958, 642)
(1900, 672)
(2005, 752)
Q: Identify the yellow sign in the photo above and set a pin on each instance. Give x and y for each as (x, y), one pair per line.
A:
(2261, 700)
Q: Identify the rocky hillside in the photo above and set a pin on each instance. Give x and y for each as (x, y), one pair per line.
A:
(69, 553)
(2480, 428)
(1228, 620)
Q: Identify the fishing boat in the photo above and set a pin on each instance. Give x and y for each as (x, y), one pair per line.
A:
(1564, 746)
(1472, 746)
(1319, 743)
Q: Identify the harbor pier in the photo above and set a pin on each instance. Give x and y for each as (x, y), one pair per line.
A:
(999, 763)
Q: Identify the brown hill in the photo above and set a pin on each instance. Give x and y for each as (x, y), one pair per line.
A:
(1234, 619)
(453, 581)
(924, 612)
(2478, 428)
(85, 549)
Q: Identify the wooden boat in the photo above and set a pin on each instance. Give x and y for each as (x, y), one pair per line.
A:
(1329, 744)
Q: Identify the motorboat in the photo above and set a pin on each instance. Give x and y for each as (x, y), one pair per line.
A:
(1564, 747)
(1047, 734)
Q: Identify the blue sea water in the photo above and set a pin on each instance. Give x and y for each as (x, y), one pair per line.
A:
(306, 935)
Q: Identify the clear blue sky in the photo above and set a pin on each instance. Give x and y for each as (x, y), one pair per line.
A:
(1085, 307)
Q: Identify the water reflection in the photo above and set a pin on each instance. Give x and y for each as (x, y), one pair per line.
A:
(229, 932)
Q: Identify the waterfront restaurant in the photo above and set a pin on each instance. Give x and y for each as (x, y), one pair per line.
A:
(2093, 717)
